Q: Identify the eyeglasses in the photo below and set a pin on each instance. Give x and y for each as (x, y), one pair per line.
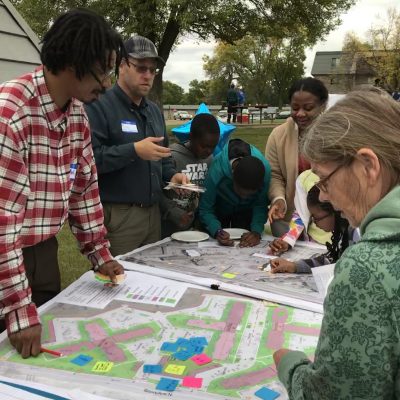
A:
(322, 185)
(142, 69)
(108, 75)
(315, 220)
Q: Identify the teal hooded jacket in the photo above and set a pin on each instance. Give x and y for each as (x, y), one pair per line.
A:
(220, 198)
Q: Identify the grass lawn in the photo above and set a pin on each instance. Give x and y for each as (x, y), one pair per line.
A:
(73, 264)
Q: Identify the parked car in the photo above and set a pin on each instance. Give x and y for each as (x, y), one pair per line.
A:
(283, 114)
(182, 115)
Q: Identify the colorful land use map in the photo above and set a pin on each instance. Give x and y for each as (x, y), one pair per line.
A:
(115, 343)
(233, 265)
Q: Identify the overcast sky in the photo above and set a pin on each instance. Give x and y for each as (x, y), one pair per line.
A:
(186, 64)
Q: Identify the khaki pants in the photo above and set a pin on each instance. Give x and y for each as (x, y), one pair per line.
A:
(130, 226)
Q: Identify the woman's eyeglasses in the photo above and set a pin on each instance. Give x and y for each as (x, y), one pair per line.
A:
(322, 185)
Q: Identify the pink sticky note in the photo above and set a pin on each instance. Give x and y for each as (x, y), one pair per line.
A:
(191, 381)
(201, 359)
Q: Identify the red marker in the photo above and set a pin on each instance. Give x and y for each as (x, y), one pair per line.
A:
(52, 352)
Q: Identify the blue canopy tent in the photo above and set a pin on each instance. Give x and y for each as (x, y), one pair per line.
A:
(182, 132)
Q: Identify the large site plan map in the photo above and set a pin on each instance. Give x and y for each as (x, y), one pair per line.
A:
(232, 265)
(119, 340)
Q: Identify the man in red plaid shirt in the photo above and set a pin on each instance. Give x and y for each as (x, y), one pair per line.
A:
(47, 171)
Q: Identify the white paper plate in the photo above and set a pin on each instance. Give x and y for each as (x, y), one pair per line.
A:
(190, 236)
(235, 233)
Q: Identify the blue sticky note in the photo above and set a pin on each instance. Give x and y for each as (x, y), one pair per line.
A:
(198, 341)
(266, 394)
(182, 342)
(171, 347)
(167, 384)
(152, 368)
(82, 360)
(194, 349)
(183, 355)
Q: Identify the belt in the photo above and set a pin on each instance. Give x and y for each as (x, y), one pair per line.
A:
(140, 205)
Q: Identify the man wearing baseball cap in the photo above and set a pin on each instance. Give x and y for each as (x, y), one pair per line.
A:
(130, 146)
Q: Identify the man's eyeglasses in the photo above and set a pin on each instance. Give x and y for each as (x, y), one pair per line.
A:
(322, 185)
(142, 69)
(108, 75)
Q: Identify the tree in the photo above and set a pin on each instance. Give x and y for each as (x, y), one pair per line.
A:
(379, 52)
(165, 22)
(264, 67)
(172, 93)
(197, 93)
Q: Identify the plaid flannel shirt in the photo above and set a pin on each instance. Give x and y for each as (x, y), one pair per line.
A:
(47, 175)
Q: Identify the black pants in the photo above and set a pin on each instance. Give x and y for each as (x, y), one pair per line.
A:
(232, 111)
(42, 270)
(241, 219)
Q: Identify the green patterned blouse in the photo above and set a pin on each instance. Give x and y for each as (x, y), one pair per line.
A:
(358, 352)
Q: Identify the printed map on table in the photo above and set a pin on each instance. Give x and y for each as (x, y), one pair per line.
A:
(232, 265)
(118, 341)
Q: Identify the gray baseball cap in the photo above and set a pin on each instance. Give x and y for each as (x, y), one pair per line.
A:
(140, 47)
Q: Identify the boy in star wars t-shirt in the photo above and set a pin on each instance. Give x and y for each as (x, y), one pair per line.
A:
(192, 158)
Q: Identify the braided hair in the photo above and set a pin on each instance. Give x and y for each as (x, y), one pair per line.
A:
(340, 234)
(340, 238)
(80, 39)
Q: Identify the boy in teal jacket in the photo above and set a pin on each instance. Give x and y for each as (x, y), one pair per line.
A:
(236, 193)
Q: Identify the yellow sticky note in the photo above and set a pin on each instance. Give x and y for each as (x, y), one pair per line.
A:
(175, 369)
(103, 366)
(228, 275)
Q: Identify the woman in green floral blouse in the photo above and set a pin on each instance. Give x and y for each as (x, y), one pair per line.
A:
(355, 150)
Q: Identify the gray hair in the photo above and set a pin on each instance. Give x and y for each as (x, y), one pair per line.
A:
(367, 118)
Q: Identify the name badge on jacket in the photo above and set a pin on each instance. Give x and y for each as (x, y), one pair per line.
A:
(129, 127)
(72, 172)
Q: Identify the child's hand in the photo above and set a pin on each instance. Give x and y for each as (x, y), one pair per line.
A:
(278, 246)
(250, 239)
(224, 238)
(282, 265)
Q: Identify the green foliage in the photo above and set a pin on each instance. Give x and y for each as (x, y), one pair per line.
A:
(172, 93)
(264, 67)
(197, 93)
(165, 22)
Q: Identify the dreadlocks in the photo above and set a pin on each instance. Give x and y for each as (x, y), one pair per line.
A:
(80, 38)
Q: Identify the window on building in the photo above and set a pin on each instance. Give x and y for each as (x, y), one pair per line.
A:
(335, 62)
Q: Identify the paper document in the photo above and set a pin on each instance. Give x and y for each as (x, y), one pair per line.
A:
(323, 277)
(88, 292)
(139, 288)
(188, 186)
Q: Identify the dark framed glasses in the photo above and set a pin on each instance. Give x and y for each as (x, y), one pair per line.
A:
(142, 69)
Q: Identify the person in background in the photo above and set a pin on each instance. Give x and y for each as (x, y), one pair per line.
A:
(310, 213)
(329, 220)
(308, 98)
(130, 145)
(193, 159)
(354, 148)
(241, 97)
(232, 101)
(236, 193)
(47, 171)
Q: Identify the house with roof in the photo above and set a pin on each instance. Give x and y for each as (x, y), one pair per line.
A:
(342, 72)
(19, 46)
